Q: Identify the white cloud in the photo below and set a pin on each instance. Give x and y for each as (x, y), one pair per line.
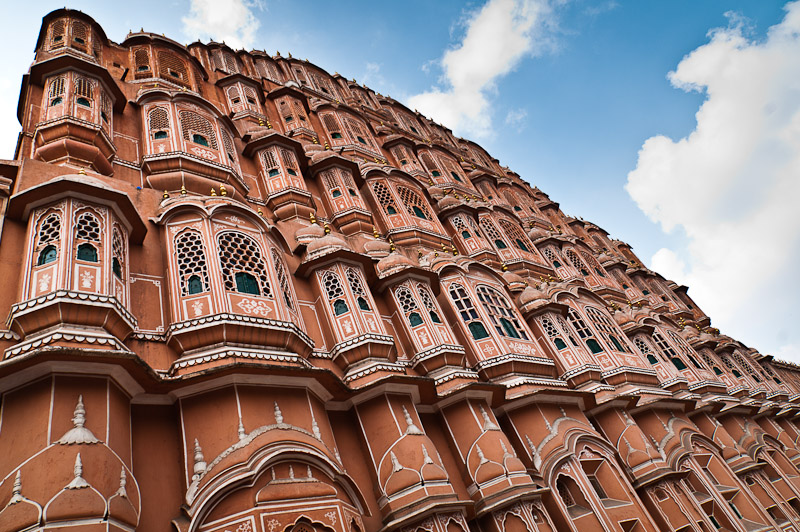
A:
(498, 36)
(516, 118)
(733, 184)
(231, 21)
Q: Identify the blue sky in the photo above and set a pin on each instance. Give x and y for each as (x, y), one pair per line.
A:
(567, 93)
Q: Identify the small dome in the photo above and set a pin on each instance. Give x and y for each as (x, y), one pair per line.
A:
(326, 244)
(309, 234)
(448, 201)
(377, 248)
(531, 293)
(623, 316)
(393, 263)
(536, 233)
(515, 282)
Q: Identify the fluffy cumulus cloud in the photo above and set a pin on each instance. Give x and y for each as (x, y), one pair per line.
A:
(497, 37)
(232, 21)
(733, 185)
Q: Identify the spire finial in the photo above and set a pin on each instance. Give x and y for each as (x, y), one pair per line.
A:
(426, 457)
(78, 433)
(395, 463)
(278, 414)
(488, 424)
(199, 461)
(123, 481)
(480, 454)
(78, 482)
(16, 492)
(315, 427)
(241, 431)
(411, 428)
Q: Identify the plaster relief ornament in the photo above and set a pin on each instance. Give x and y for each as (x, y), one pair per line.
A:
(426, 457)
(278, 414)
(197, 308)
(396, 467)
(481, 455)
(315, 427)
(241, 431)
(78, 433)
(488, 424)
(411, 428)
(78, 482)
(86, 280)
(123, 481)
(44, 282)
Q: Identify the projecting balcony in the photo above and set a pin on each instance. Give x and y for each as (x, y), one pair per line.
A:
(73, 141)
(199, 172)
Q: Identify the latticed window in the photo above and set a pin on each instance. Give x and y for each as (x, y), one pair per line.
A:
(687, 351)
(567, 330)
(710, 361)
(242, 264)
(359, 133)
(645, 349)
(197, 129)
(268, 70)
(233, 95)
(283, 280)
(105, 108)
(607, 328)
(172, 68)
(84, 90)
(461, 227)
(467, 312)
(289, 161)
(47, 239)
(141, 61)
(583, 331)
(553, 333)
(227, 142)
(492, 232)
(409, 306)
(516, 235)
(57, 30)
(292, 112)
(591, 261)
(158, 120)
(231, 64)
(270, 162)
(564, 493)
(668, 351)
(80, 35)
(357, 288)
(576, 262)
(746, 366)
(551, 255)
(332, 126)
(428, 302)
(384, 197)
(87, 229)
(192, 266)
(403, 157)
(414, 203)
(117, 254)
(501, 313)
(55, 95)
(336, 179)
(728, 364)
(334, 292)
(251, 98)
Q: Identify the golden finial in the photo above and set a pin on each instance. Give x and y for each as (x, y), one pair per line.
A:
(392, 247)
(375, 232)
(327, 228)
(269, 124)
(183, 190)
(430, 181)
(166, 195)
(260, 212)
(455, 251)
(82, 171)
(223, 191)
(213, 192)
(443, 247)
(312, 218)
(419, 254)
(260, 122)
(327, 146)
(315, 140)
(504, 267)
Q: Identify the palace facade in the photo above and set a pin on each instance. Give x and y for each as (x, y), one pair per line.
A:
(246, 295)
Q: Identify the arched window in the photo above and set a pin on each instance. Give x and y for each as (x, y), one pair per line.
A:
(468, 312)
(501, 313)
(337, 180)
(158, 119)
(172, 68)
(414, 204)
(591, 261)
(428, 302)
(334, 293)
(687, 351)
(283, 280)
(334, 130)
(729, 364)
(57, 30)
(668, 352)
(607, 329)
(357, 288)
(192, 266)
(491, 231)
(79, 35)
(197, 129)
(645, 349)
(141, 62)
(56, 92)
(461, 227)
(516, 235)
(48, 236)
(583, 331)
(227, 142)
(87, 229)
(384, 197)
(242, 264)
(577, 263)
(409, 306)
(551, 255)
(117, 254)
(553, 333)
